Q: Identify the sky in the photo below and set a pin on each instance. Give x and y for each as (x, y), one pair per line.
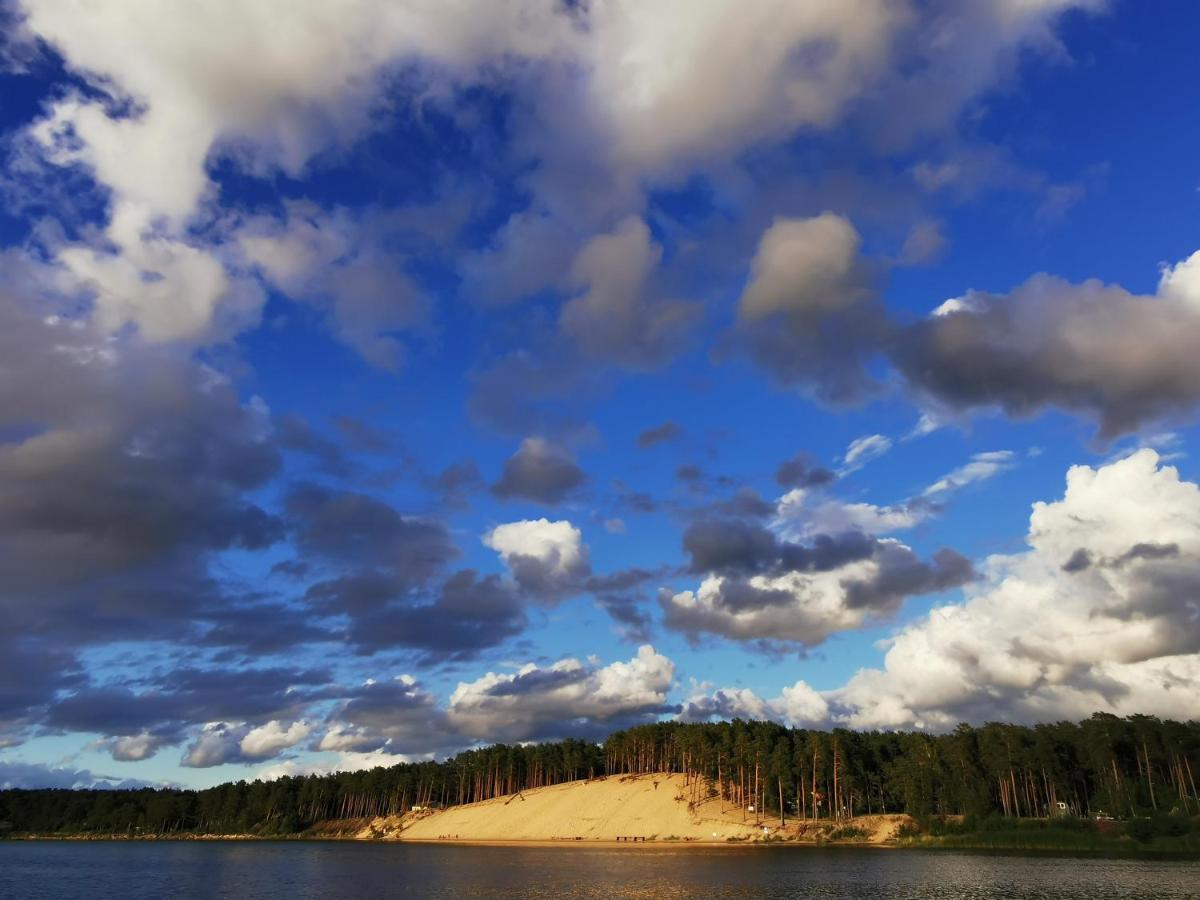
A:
(383, 379)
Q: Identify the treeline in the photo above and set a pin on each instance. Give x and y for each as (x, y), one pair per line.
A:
(1104, 765)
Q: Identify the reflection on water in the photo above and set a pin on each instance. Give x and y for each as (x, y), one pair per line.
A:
(352, 870)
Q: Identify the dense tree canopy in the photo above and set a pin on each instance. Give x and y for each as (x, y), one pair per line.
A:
(1121, 767)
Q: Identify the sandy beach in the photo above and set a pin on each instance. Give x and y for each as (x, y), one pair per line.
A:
(634, 811)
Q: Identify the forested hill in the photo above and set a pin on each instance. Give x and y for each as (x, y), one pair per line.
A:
(1121, 767)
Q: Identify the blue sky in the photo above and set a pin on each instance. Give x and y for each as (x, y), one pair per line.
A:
(379, 384)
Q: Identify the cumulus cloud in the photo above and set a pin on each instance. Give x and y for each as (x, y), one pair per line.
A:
(789, 581)
(269, 739)
(137, 724)
(137, 747)
(797, 705)
(1122, 359)
(805, 605)
(569, 698)
(1049, 635)
(220, 743)
(216, 745)
(170, 289)
(805, 266)
(800, 515)
(546, 559)
(601, 113)
(813, 565)
(809, 315)
(617, 317)
(228, 83)
(128, 466)
(1181, 282)
(397, 716)
(743, 77)
(540, 471)
(566, 699)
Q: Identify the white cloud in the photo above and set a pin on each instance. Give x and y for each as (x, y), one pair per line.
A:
(863, 450)
(565, 698)
(611, 91)
(267, 84)
(928, 422)
(807, 606)
(970, 302)
(689, 78)
(343, 738)
(797, 517)
(219, 743)
(271, 82)
(269, 739)
(1099, 613)
(798, 705)
(1181, 282)
(342, 762)
(981, 467)
(135, 747)
(215, 745)
(397, 716)
(557, 546)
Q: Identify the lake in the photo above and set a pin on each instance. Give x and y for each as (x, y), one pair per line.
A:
(56, 870)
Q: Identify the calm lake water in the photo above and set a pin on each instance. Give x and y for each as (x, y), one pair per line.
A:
(333, 870)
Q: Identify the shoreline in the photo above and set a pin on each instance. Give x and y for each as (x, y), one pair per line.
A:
(465, 842)
(607, 844)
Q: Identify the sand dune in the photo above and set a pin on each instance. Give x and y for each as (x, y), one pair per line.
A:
(650, 807)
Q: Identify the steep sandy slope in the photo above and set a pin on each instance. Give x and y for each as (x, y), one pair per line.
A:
(653, 807)
(645, 806)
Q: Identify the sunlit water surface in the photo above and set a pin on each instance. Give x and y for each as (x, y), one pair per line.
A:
(351, 870)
